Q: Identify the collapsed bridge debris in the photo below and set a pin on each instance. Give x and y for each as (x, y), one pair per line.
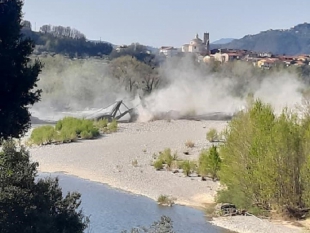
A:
(116, 112)
(121, 112)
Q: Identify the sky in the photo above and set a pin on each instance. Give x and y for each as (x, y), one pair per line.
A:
(166, 22)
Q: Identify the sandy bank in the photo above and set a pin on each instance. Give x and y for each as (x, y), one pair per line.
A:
(109, 160)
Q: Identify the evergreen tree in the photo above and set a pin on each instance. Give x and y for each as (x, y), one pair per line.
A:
(30, 206)
(209, 163)
(26, 205)
(17, 73)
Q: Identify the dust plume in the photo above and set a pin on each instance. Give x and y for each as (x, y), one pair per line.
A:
(75, 85)
(186, 88)
(198, 90)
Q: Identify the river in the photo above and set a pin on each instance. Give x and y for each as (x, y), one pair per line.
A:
(112, 210)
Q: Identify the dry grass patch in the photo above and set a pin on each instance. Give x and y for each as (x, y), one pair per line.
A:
(135, 163)
(165, 200)
(189, 144)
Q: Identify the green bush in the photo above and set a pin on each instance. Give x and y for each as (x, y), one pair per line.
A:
(43, 135)
(166, 157)
(165, 200)
(266, 160)
(102, 123)
(212, 135)
(209, 163)
(158, 164)
(68, 129)
(109, 127)
(113, 126)
(66, 135)
(78, 126)
(86, 135)
(186, 166)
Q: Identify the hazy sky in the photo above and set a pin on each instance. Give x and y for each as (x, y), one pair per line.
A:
(167, 22)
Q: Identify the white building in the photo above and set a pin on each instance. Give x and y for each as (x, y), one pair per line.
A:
(196, 45)
(168, 51)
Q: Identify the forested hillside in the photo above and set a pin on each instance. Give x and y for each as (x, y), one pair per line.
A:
(65, 41)
(293, 41)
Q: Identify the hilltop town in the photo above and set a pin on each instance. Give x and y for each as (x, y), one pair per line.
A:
(201, 49)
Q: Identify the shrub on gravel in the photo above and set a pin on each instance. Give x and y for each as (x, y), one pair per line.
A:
(102, 124)
(158, 164)
(113, 126)
(209, 163)
(166, 157)
(212, 135)
(186, 166)
(68, 129)
(134, 163)
(66, 135)
(43, 135)
(165, 200)
(109, 127)
(78, 126)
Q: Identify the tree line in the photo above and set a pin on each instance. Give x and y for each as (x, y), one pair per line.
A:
(70, 41)
(64, 40)
(60, 31)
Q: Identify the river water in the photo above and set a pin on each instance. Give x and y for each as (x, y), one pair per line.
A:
(112, 210)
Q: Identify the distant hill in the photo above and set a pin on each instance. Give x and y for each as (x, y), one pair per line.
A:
(66, 41)
(223, 41)
(293, 41)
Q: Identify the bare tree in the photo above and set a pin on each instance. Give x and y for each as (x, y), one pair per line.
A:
(134, 74)
(124, 69)
(46, 29)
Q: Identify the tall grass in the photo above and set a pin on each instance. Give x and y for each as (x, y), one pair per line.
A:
(43, 135)
(81, 127)
(68, 129)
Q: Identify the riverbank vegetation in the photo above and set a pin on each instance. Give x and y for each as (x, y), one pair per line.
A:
(208, 165)
(212, 135)
(70, 129)
(164, 158)
(165, 200)
(265, 162)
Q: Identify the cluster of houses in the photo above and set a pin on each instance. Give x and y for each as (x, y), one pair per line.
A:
(201, 48)
(261, 60)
